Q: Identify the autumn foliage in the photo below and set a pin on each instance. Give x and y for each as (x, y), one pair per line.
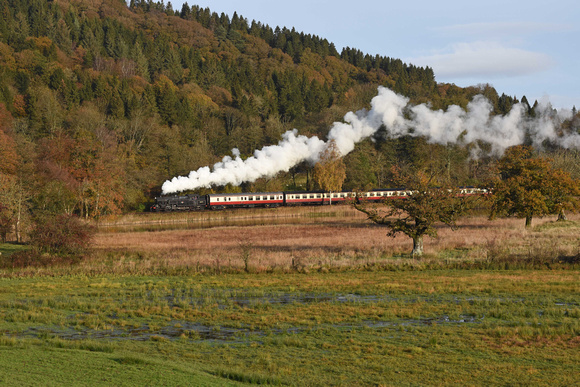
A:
(416, 214)
(330, 171)
(528, 186)
(61, 235)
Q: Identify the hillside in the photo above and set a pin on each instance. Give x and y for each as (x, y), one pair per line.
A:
(101, 102)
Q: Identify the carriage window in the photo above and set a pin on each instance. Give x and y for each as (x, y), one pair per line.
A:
(251, 198)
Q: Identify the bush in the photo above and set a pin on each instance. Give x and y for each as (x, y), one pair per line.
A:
(62, 235)
(32, 258)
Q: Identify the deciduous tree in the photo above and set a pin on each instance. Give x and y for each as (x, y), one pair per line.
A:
(330, 171)
(528, 187)
(416, 214)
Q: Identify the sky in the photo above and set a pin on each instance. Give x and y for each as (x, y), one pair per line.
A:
(529, 48)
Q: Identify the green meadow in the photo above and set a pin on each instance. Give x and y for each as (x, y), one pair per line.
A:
(385, 327)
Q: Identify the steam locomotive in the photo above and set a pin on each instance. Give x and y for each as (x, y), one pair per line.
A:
(278, 199)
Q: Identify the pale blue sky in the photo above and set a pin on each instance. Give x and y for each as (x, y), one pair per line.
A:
(520, 47)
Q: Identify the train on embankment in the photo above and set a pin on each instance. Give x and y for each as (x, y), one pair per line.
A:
(280, 199)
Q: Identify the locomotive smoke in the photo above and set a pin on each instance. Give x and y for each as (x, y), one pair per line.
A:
(388, 109)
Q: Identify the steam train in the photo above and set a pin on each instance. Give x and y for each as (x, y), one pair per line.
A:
(278, 199)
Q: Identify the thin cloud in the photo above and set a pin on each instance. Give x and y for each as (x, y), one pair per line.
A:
(484, 59)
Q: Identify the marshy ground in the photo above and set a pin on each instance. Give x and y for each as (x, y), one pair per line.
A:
(325, 300)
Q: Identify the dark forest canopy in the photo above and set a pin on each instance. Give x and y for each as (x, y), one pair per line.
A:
(100, 102)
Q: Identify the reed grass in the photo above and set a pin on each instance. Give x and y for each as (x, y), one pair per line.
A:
(337, 244)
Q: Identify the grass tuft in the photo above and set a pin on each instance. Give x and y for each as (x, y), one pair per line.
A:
(247, 377)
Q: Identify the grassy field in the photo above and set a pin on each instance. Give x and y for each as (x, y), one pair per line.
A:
(315, 302)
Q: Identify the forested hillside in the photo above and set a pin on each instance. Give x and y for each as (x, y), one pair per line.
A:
(100, 102)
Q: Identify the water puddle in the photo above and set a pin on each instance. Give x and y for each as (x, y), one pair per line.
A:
(228, 219)
(225, 299)
(194, 332)
(235, 298)
(176, 331)
(444, 320)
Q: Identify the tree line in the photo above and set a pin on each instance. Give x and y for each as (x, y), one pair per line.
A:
(100, 102)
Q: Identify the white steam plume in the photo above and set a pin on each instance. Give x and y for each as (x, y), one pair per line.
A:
(388, 109)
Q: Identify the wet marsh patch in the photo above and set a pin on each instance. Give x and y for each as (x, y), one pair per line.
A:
(320, 328)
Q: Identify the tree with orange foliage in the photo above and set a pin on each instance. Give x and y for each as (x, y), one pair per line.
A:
(330, 171)
(528, 187)
(415, 215)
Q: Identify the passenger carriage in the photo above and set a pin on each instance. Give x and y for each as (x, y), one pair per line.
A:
(245, 200)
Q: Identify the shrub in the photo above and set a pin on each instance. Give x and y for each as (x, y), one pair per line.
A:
(61, 234)
(33, 258)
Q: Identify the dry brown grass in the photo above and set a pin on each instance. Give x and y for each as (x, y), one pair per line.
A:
(331, 240)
